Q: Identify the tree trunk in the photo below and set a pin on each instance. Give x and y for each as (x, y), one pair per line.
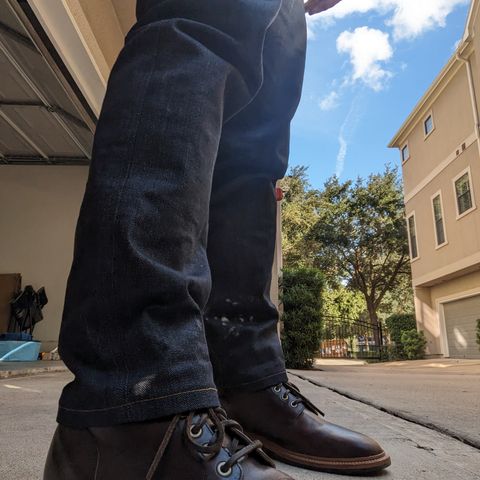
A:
(372, 314)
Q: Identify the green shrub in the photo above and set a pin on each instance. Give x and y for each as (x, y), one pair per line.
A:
(392, 353)
(414, 344)
(302, 317)
(397, 324)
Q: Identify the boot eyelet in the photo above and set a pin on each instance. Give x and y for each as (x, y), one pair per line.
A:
(195, 434)
(221, 472)
(293, 404)
(277, 388)
(285, 397)
(205, 455)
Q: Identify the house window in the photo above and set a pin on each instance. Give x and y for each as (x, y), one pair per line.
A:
(405, 153)
(438, 220)
(428, 125)
(412, 237)
(463, 193)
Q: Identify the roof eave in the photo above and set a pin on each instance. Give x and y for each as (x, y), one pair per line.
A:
(459, 53)
(396, 140)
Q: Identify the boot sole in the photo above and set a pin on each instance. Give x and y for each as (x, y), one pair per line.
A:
(344, 466)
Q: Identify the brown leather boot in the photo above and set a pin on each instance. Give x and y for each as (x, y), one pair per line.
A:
(293, 431)
(202, 445)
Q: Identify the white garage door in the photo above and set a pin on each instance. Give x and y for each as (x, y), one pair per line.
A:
(461, 323)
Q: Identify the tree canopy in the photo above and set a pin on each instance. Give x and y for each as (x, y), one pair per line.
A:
(299, 215)
(354, 231)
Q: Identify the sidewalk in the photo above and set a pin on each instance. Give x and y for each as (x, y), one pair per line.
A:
(443, 394)
(432, 365)
(28, 413)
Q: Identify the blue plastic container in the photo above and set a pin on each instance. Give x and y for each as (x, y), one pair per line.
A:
(15, 351)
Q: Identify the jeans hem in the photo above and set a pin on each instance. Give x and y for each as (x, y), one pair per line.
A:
(258, 384)
(140, 410)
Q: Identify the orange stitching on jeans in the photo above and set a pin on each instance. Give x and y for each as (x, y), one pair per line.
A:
(139, 401)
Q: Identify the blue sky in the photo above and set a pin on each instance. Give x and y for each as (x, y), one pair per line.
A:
(368, 64)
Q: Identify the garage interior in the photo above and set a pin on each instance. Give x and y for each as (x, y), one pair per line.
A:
(46, 135)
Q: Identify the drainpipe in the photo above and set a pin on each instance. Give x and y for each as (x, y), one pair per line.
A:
(473, 96)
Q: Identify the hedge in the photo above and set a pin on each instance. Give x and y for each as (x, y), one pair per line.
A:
(399, 323)
(302, 318)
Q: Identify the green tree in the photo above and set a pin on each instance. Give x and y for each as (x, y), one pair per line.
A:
(343, 303)
(398, 300)
(299, 215)
(361, 237)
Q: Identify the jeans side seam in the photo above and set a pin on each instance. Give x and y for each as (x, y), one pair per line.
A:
(130, 157)
(198, 390)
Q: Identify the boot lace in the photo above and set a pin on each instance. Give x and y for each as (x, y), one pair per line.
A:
(291, 389)
(236, 442)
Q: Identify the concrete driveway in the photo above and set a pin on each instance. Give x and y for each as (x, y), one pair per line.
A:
(28, 407)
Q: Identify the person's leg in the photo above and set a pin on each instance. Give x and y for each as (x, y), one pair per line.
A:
(132, 330)
(240, 319)
(142, 404)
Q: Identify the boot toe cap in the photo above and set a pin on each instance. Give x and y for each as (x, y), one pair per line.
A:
(348, 443)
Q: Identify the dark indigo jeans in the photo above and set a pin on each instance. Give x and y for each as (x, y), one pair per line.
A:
(168, 294)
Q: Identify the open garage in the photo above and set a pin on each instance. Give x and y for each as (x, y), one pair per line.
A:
(55, 65)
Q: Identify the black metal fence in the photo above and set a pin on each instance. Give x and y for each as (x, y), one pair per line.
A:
(348, 338)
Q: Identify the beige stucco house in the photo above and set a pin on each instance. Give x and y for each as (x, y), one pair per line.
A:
(439, 144)
(55, 59)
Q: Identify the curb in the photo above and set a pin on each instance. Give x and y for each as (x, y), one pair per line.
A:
(26, 372)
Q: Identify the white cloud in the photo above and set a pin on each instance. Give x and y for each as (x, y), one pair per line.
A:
(367, 48)
(329, 102)
(342, 154)
(414, 17)
(346, 132)
(408, 18)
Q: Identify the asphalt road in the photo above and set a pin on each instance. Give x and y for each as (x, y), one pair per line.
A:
(444, 394)
(27, 418)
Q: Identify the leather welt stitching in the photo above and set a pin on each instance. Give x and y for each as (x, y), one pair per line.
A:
(320, 460)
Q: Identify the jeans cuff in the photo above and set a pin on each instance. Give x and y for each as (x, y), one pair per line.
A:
(140, 410)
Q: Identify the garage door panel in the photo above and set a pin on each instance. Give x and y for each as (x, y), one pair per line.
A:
(12, 143)
(13, 85)
(10, 20)
(33, 64)
(461, 323)
(44, 130)
(42, 119)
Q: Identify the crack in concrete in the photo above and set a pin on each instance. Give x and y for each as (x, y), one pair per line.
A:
(422, 447)
(394, 413)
